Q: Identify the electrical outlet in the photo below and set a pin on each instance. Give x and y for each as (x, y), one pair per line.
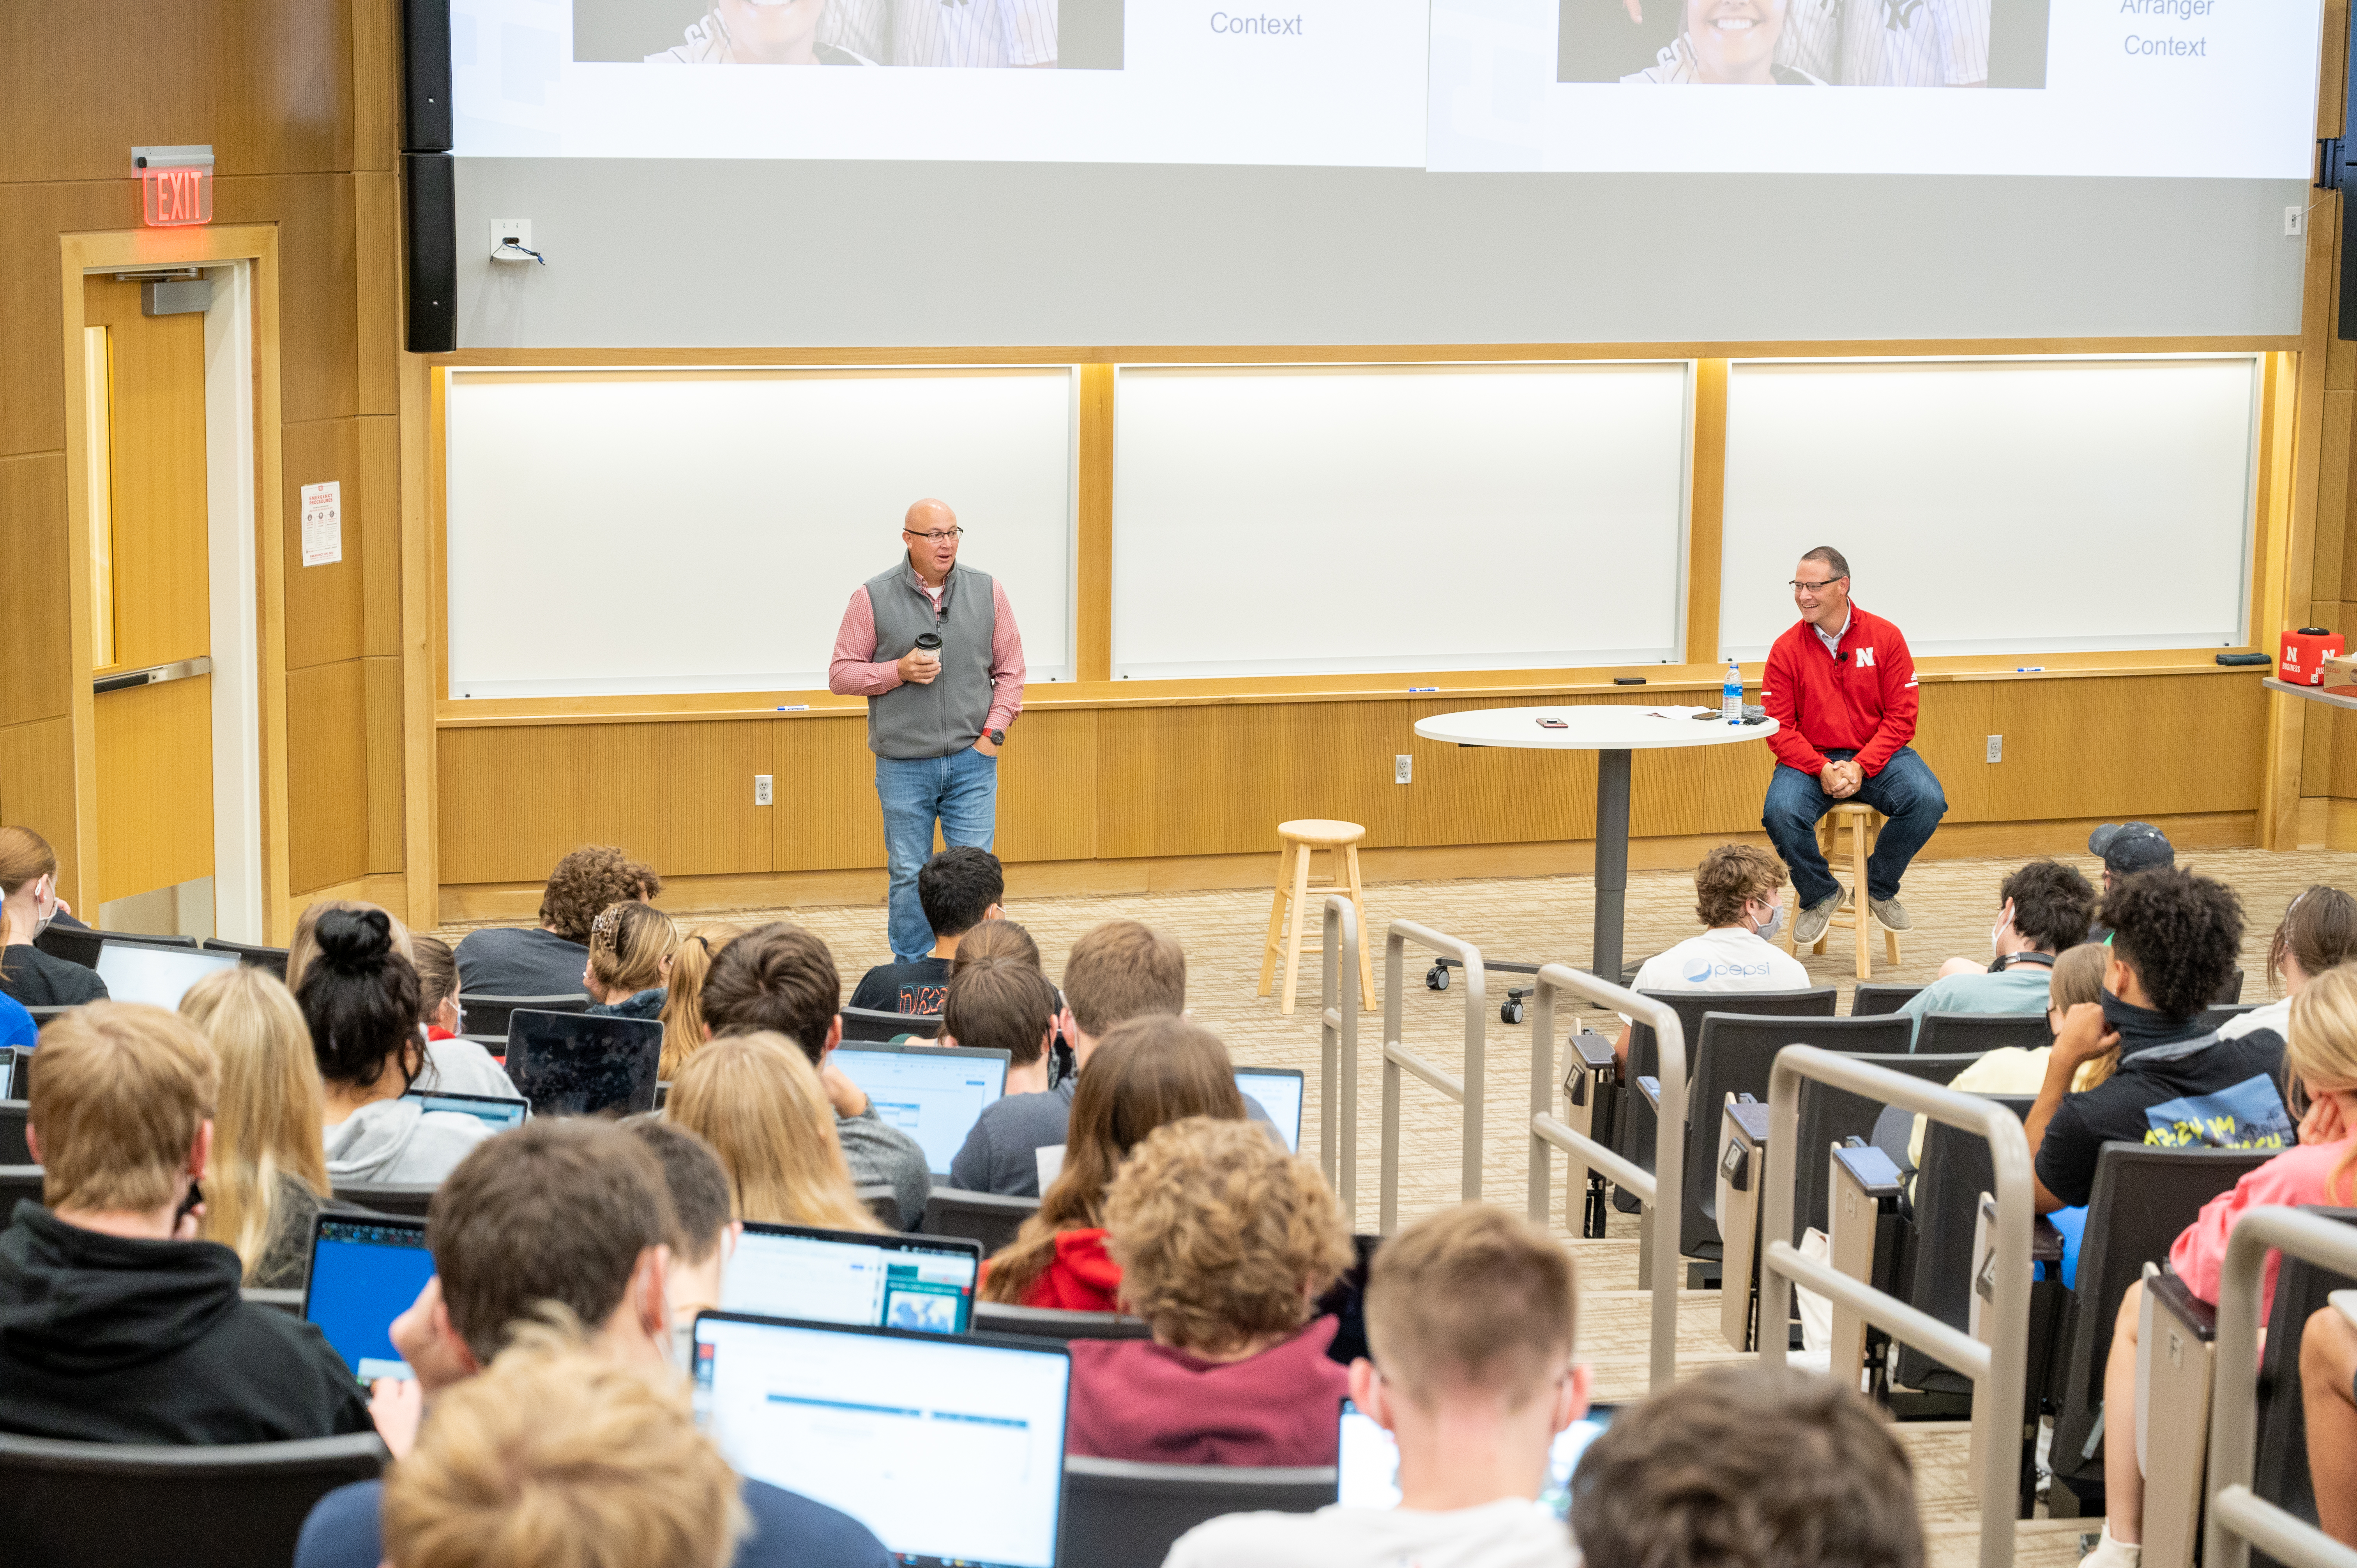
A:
(2295, 222)
(1403, 769)
(761, 789)
(512, 231)
(1996, 748)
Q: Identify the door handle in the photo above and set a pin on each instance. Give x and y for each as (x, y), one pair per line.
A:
(180, 670)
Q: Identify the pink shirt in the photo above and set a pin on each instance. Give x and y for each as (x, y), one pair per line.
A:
(2295, 1177)
(856, 672)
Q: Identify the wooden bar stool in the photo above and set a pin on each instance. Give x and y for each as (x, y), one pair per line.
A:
(1858, 914)
(1296, 841)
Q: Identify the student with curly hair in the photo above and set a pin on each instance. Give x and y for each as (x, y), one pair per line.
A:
(2175, 939)
(1739, 899)
(1749, 1466)
(547, 961)
(2042, 910)
(1224, 1241)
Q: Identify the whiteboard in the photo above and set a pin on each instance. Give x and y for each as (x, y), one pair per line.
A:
(1997, 506)
(619, 532)
(1308, 519)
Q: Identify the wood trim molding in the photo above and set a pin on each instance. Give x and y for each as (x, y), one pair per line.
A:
(85, 252)
(1351, 354)
(2281, 546)
(421, 649)
(1093, 652)
(1706, 510)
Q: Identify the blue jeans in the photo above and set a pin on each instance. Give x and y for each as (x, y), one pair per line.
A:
(960, 789)
(1905, 791)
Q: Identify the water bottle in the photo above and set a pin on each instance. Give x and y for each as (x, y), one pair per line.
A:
(1730, 696)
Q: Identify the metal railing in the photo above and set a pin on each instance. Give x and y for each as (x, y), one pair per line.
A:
(1998, 1366)
(1659, 1190)
(1338, 1055)
(2238, 1518)
(1466, 1092)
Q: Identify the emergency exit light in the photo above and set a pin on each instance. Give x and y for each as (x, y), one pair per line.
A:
(175, 185)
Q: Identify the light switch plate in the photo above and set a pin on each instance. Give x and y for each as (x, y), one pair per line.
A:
(761, 789)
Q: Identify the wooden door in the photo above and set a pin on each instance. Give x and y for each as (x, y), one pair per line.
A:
(155, 742)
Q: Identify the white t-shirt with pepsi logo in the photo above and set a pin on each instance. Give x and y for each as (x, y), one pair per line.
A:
(1728, 959)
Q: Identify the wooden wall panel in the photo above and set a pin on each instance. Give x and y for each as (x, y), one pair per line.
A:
(36, 789)
(269, 85)
(36, 666)
(2327, 578)
(1734, 787)
(1048, 787)
(325, 605)
(1217, 780)
(32, 326)
(327, 775)
(318, 302)
(2139, 746)
(1952, 735)
(157, 528)
(376, 219)
(382, 683)
(827, 815)
(677, 795)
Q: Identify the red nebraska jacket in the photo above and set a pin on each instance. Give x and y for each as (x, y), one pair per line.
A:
(1861, 699)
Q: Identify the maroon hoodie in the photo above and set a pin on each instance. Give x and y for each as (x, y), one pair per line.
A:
(1133, 1399)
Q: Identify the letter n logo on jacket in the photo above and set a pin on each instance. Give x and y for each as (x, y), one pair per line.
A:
(1866, 657)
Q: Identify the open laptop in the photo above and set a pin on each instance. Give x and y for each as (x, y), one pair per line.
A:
(151, 972)
(1278, 1090)
(950, 1448)
(933, 1093)
(574, 1064)
(364, 1274)
(490, 1108)
(1368, 1468)
(921, 1283)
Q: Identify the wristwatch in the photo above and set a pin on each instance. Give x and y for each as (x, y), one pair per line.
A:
(998, 736)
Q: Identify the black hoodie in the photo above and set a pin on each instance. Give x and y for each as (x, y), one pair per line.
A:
(106, 1339)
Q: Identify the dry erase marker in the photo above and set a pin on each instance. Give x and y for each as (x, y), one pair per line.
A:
(1415, 689)
(795, 708)
(2030, 669)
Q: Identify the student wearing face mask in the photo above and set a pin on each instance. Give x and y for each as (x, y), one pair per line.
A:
(2043, 909)
(2175, 939)
(29, 901)
(1739, 897)
(360, 998)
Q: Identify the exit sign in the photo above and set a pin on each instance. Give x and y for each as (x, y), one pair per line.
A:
(175, 185)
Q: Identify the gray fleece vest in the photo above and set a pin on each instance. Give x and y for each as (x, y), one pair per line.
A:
(912, 721)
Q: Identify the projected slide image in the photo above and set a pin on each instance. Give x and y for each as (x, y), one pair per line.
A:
(966, 34)
(2192, 89)
(1803, 43)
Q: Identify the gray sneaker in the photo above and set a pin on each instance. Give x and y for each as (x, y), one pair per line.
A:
(1814, 918)
(1890, 912)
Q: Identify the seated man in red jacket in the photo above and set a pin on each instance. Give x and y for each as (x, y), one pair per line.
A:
(1841, 687)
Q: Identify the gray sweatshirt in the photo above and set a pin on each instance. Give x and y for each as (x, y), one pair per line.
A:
(463, 1067)
(400, 1141)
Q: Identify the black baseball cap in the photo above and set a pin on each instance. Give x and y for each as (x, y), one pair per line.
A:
(2131, 846)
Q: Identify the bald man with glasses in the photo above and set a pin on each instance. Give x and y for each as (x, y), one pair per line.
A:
(937, 715)
(1841, 687)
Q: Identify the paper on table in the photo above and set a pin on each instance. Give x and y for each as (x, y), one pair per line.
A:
(1675, 712)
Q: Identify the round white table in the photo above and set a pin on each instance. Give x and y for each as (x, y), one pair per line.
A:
(1612, 731)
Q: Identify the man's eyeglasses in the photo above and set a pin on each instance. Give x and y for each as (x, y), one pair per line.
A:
(1797, 585)
(934, 538)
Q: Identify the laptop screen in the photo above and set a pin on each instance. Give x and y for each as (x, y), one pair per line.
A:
(365, 1274)
(951, 1449)
(933, 1093)
(1278, 1090)
(571, 1064)
(134, 971)
(924, 1283)
(499, 1114)
(1368, 1468)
